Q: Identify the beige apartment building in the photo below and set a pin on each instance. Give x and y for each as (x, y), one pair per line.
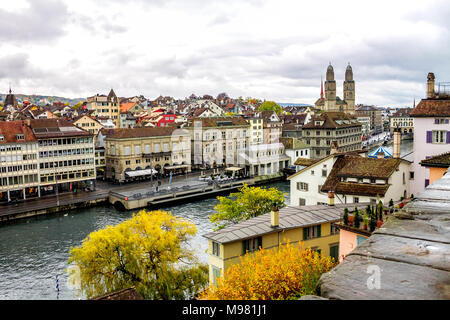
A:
(89, 124)
(66, 156)
(327, 127)
(137, 153)
(105, 106)
(218, 141)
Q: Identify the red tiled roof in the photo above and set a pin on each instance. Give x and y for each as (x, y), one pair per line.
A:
(9, 130)
(432, 108)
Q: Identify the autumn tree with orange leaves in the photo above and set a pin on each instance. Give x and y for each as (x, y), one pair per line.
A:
(287, 273)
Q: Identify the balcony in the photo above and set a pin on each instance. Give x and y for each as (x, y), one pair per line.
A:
(157, 155)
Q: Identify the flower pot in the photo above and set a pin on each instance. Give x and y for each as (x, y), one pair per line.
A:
(365, 227)
(379, 223)
(351, 219)
(401, 205)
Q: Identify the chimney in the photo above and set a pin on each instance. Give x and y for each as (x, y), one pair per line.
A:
(275, 217)
(334, 147)
(331, 198)
(430, 86)
(397, 142)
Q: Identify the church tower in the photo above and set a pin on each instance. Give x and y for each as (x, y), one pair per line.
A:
(330, 90)
(349, 90)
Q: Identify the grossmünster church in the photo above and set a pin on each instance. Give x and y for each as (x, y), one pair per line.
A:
(331, 102)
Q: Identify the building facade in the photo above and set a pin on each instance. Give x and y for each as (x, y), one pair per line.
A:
(19, 162)
(431, 132)
(141, 152)
(327, 127)
(105, 106)
(306, 227)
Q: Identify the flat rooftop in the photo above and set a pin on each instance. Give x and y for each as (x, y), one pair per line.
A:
(411, 251)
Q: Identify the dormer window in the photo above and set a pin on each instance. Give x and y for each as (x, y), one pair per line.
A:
(2, 138)
(20, 137)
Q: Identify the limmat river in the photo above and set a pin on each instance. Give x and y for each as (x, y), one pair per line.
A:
(34, 251)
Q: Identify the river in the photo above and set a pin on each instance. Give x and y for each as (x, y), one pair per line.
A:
(34, 251)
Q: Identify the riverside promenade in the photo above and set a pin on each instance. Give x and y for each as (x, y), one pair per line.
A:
(64, 202)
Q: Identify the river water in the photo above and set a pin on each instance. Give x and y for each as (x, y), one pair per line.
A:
(34, 251)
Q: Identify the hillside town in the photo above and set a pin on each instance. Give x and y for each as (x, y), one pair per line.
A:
(338, 158)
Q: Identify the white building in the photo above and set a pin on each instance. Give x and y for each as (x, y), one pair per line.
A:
(353, 178)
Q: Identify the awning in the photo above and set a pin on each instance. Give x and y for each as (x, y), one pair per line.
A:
(176, 167)
(139, 173)
(233, 169)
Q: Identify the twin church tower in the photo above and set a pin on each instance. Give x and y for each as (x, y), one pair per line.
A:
(331, 102)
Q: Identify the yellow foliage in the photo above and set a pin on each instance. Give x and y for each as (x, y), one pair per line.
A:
(288, 272)
(142, 252)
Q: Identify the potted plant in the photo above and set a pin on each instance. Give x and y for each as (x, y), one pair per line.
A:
(373, 224)
(357, 219)
(365, 221)
(346, 216)
(391, 206)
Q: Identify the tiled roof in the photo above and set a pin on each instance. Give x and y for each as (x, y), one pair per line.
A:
(142, 132)
(125, 107)
(441, 161)
(9, 130)
(305, 162)
(361, 189)
(361, 167)
(290, 217)
(52, 128)
(221, 121)
(432, 108)
(330, 121)
(402, 113)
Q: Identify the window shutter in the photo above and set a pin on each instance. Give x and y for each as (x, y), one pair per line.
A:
(446, 121)
(436, 121)
(305, 233)
(319, 231)
(244, 247)
(448, 136)
(429, 136)
(260, 242)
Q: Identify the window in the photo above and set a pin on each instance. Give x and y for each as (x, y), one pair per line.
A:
(216, 249)
(355, 199)
(437, 136)
(127, 151)
(333, 229)
(302, 186)
(251, 245)
(312, 172)
(334, 251)
(411, 175)
(137, 150)
(312, 232)
(324, 173)
(301, 202)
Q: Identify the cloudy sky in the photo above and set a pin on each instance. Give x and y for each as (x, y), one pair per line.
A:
(274, 50)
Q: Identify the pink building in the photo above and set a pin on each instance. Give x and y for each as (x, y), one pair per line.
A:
(431, 132)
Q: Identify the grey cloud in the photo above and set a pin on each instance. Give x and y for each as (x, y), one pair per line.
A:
(43, 21)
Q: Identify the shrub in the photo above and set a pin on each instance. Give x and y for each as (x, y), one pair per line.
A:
(287, 273)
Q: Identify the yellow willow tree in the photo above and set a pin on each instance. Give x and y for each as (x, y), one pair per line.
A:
(147, 252)
(286, 273)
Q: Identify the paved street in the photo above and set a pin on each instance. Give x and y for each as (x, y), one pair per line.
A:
(102, 191)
